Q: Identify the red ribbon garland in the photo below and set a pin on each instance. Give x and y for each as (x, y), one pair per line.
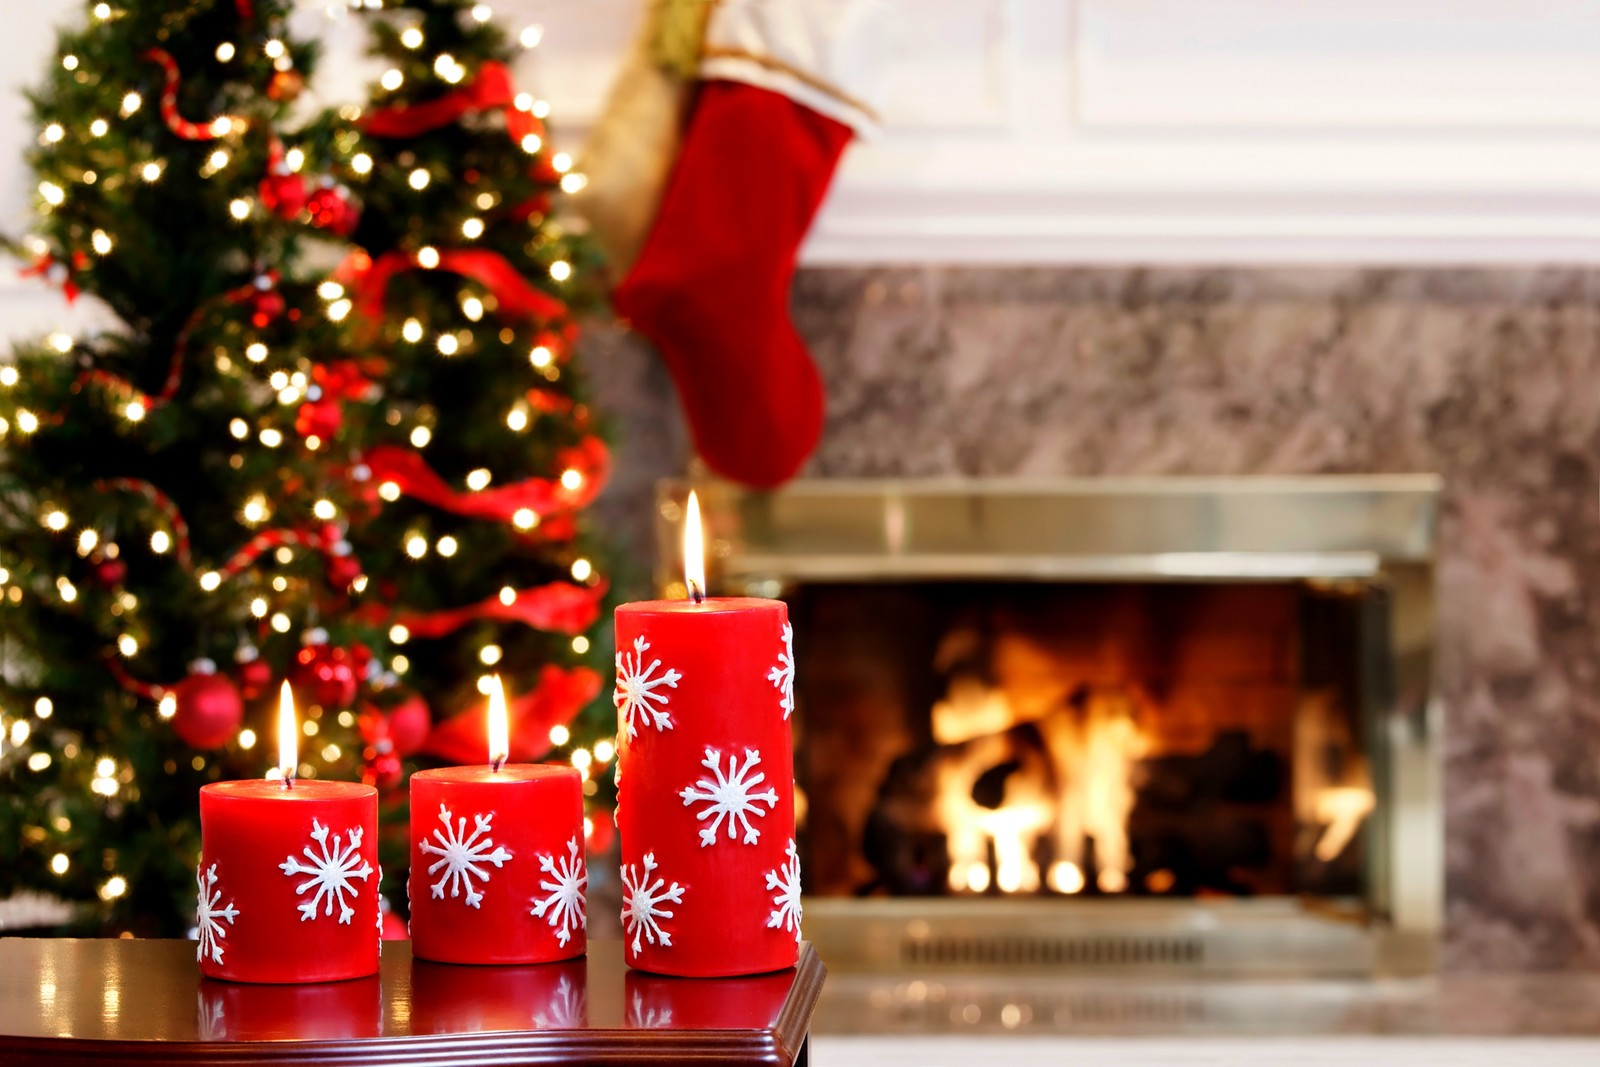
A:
(133, 685)
(491, 89)
(543, 496)
(161, 502)
(169, 388)
(559, 695)
(559, 607)
(489, 269)
(46, 263)
(182, 127)
(317, 540)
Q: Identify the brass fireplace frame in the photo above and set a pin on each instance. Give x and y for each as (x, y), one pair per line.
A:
(1378, 530)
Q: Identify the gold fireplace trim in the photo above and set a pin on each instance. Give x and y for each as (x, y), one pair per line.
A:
(1376, 531)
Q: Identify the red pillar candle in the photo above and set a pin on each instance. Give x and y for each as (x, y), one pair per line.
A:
(288, 876)
(497, 865)
(705, 786)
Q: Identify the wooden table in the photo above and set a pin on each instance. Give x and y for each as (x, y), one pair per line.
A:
(145, 1001)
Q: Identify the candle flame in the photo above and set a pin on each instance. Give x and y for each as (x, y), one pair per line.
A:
(499, 728)
(288, 737)
(694, 552)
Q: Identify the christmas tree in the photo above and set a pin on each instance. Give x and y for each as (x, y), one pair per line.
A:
(483, 452)
(173, 500)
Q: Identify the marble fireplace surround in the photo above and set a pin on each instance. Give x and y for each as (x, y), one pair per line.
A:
(1490, 378)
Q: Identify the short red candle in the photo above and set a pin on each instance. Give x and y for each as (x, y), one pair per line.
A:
(497, 865)
(288, 881)
(705, 794)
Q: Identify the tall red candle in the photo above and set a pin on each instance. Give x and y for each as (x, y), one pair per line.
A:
(497, 864)
(705, 788)
(288, 876)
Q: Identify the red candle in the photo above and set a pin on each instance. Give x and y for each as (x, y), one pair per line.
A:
(497, 865)
(705, 782)
(288, 877)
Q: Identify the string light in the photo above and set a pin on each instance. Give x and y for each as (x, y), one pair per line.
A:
(572, 183)
(400, 664)
(531, 143)
(101, 242)
(447, 546)
(86, 542)
(8, 376)
(68, 591)
(271, 438)
(273, 48)
(59, 863)
(239, 208)
(160, 541)
(338, 310)
(131, 103)
(225, 51)
(392, 79)
(482, 12)
(134, 411)
(444, 64)
(447, 344)
(294, 159)
(102, 11)
(472, 308)
(210, 580)
(411, 37)
(255, 352)
(582, 569)
(52, 193)
(258, 607)
(517, 419)
(389, 491)
(416, 546)
(39, 761)
(69, 62)
(99, 128)
(561, 270)
(151, 171)
(540, 357)
(571, 479)
(127, 645)
(255, 510)
(531, 36)
(581, 759)
(472, 229)
(508, 595)
(116, 885)
(524, 519)
(419, 179)
(489, 655)
(61, 342)
(559, 735)
(280, 623)
(580, 644)
(56, 520)
(27, 421)
(19, 733)
(478, 480)
(604, 750)
(43, 708)
(541, 109)
(361, 163)
(53, 133)
(411, 330)
(239, 428)
(398, 634)
(427, 257)
(247, 739)
(330, 290)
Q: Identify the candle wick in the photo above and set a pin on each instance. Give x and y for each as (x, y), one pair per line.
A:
(497, 763)
(696, 594)
(288, 779)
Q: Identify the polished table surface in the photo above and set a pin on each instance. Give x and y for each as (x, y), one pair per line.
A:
(126, 1000)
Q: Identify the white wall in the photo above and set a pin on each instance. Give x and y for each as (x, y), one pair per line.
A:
(1122, 130)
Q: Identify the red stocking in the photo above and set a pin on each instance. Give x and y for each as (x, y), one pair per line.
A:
(711, 287)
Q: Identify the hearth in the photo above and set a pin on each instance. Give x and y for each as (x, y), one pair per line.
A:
(1178, 724)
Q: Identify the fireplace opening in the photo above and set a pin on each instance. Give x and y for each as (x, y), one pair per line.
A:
(1057, 739)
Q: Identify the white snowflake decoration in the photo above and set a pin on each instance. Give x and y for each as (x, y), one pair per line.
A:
(565, 1008)
(786, 902)
(460, 853)
(730, 796)
(210, 915)
(642, 900)
(331, 870)
(637, 684)
(782, 676)
(563, 909)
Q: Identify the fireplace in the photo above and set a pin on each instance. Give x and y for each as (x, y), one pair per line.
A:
(1181, 724)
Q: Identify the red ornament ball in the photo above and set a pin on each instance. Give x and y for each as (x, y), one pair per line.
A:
(283, 194)
(286, 85)
(110, 572)
(319, 418)
(209, 710)
(267, 305)
(326, 675)
(255, 678)
(332, 210)
(409, 724)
